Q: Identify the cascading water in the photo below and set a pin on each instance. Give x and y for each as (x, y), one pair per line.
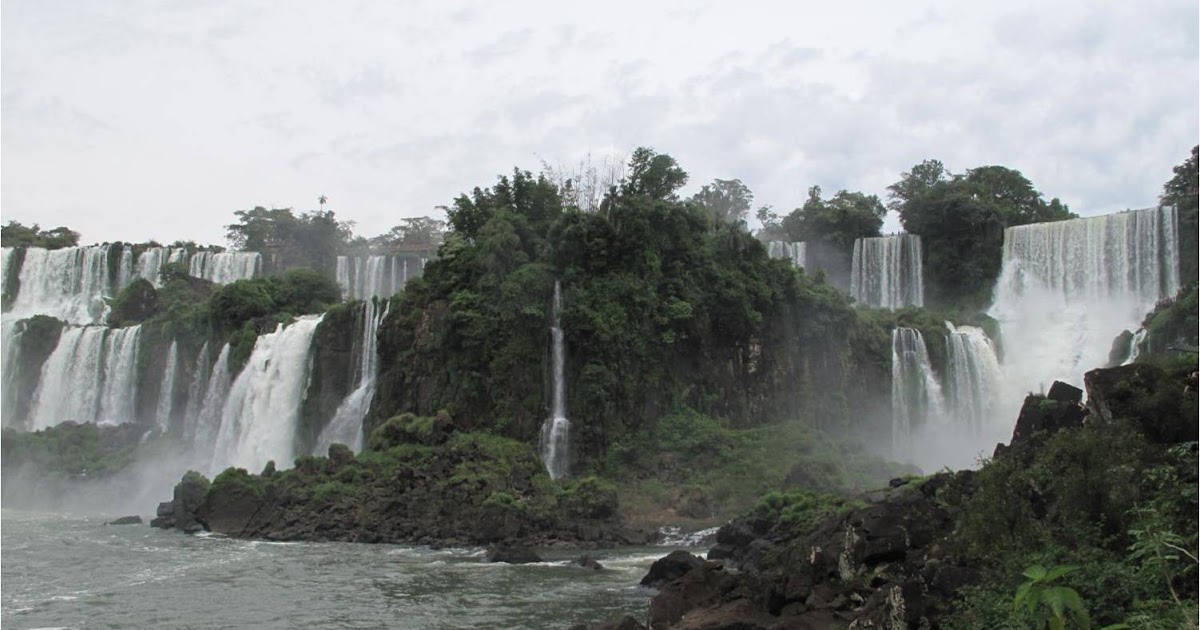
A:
(225, 267)
(916, 393)
(69, 284)
(556, 431)
(206, 423)
(885, 271)
(151, 261)
(795, 252)
(90, 377)
(1066, 289)
(973, 379)
(10, 354)
(166, 392)
(346, 425)
(1135, 345)
(259, 418)
(366, 277)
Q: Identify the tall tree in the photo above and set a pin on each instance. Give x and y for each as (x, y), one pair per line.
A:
(1183, 192)
(725, 200)
(838, 220)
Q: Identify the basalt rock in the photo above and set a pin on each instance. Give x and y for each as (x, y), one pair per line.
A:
(513, 555)
(126, 520)
(672, 566)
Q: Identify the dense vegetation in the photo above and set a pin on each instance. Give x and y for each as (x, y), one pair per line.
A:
(14, 234)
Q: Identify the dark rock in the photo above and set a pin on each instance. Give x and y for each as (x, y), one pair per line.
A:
(126, 520)
(339, 456)
(589, 561)
(700, 587)
(1063, 392)
(671, 567)
(1119, 353)
(512, 555)
(1160, 406)
(897, 482)
(815, 476)
(624, 622)
(183, 511)
(1045, 415)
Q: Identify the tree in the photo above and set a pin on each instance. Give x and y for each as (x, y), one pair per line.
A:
(654, 175)
(312, 239)
(725, 200)
(535, 199)
(1183, 192)
(414, 231)
(838, 221)
(14, 234)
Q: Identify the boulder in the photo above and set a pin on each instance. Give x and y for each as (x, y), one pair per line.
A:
(512, 555)
(126, 520)
(671, 567)
(1058, 410)
(588, 561)
(1148, 398)
(182, 512)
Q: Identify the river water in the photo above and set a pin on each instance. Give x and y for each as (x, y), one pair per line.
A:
(74, 572)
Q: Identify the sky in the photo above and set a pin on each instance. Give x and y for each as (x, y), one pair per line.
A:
(138, 120)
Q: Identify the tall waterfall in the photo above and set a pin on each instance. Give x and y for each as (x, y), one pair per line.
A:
(916, 393)
(90, 377)
(556, 431)
(346, 425)
(10, 354)
(1066, 289)
(259, 418)
(795, 252)
(69, 284)
(166, 391)
(150, 262)
(885, 271)
(205, 424)
(366, 277)
(225, 267)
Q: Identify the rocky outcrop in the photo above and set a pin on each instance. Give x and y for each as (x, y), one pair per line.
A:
(126, 520)
(182, 511)
(1159, 405)
(671, 567)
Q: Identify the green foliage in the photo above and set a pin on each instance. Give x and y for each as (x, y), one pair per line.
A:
(839, 220)
(1052, 606)
(134, 304)
(310, 239)
(236, 481)
(798, 510)
(1173, 325)
(503, 501)
(589, 497)
(725, 200)
(77, 450)
(331, 490)
(14, 234)
(1183, 192)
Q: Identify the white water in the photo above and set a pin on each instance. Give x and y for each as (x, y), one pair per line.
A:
(196, 390)
(205, 424)
(1135, 345)
(556, 431)
(259, 419)
(366, 277)
(973, 380)
(6, 254)
(885, 271)
(90, 377)
(795, 252)
(69, 284)
(346, 425)
(1067, 289)
(166, 392)
(10, 354)
(225, 267)
(916, 393)
(150, 262)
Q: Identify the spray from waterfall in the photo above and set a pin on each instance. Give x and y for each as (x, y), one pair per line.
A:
(556, 431)
(795, 252)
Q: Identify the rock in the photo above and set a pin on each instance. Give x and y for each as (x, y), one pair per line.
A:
(1119, 353)
(671, 567)
(339, 455)
(126, 520)
(1047, 415)
(624, 622)
(1148, 398)
(512, 555)
(1063, 392)
(589, 561)
(183, 511)
(814, 476)
(700, 587)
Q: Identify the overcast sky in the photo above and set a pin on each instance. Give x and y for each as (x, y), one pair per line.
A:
(135, 120)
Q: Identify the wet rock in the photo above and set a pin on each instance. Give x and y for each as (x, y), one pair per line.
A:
(671, 567)
(589, 561)
(126, 520)
(1148, 398)
(1044, 415)
(512, 555)
(182, 512)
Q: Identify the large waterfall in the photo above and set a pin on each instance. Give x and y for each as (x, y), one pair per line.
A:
(916, 393)
(366, 277)
(1067, 288)
(225, 267)
(795, 252)
(259, 418)
(973, 379)
(885, 271)
(346, 425)
(90, 377)
(556, 431)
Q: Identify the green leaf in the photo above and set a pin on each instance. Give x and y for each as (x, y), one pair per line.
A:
(1058, 572)
(1022, 593)
(1035, 572)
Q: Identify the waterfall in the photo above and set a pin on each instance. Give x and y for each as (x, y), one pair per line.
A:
(1066, 289)
(555, 440)
(196, 390)
(346, 425)
(150, 262)
(1135, 345)
(225, 267)
(885, 271)
(10, 355)
(205, 424)
(973, 379)
(374, 276)
(91, 376)
(916, 393)
(166, 392)
(258, 421)
(69, 284)
(795, 252)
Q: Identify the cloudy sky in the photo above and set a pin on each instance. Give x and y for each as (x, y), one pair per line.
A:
(135, 120)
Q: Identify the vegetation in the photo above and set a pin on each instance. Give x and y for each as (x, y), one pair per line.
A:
(287, 240)
(1183, 192)
(14, 234)
(70, 449)
(838, 220)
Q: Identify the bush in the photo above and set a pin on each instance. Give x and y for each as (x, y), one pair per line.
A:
(134, 304)
(589, 497)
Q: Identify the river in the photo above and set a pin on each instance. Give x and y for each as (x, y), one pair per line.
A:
(62, 571)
